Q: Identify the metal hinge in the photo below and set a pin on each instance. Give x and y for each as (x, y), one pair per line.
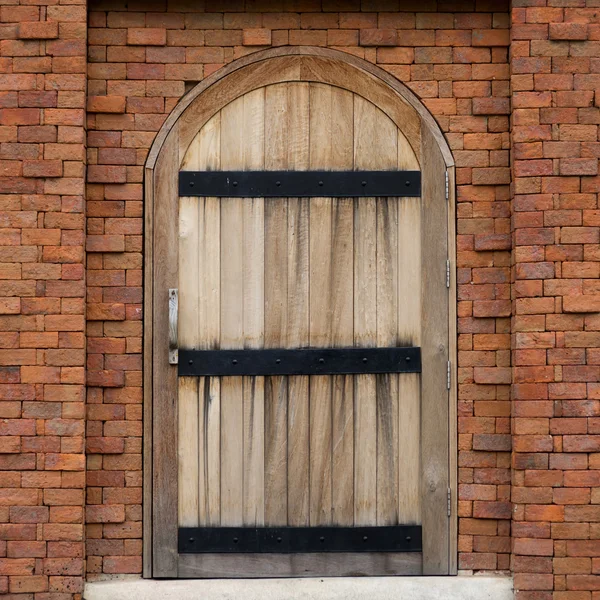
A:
(447, 185)
(173, 308)
(447, 273)
(448, 375)
(449, 501)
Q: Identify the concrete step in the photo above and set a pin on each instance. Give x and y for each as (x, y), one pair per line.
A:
(343, 588)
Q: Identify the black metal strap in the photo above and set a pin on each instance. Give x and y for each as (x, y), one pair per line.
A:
(306, 361)
(288, 540)
(280, 184)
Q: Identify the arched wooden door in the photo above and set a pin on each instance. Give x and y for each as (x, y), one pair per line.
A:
(301, 412)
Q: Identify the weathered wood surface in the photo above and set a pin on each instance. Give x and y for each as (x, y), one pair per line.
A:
(344, 564)
(298, 272)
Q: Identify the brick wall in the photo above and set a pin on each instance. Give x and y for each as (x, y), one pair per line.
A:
(42, 287)
(556, 328)
(142, 56)
(140, 64)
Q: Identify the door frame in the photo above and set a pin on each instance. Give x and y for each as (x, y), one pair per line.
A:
(439, 489)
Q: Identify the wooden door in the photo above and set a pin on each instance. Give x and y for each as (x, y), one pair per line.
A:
(267, 461)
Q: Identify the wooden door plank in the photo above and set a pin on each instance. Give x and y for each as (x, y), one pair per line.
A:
(232, 425)
(409, 334)
(387, 385)
(332, 461)
(188, 438)
(409, 463)
(371, 132)
(276, 308)
(297, 337)
(298, 451)
(208, 157)
(165, 380)
(387, 308)
(320, 337)
(342, 466)
(342, 335)
(198, 310)
(276, 452)
(253, 223)
(319, 564)
(205, 153)
(297, 133)
(254, 451)
(188, 471)
(147, 383)
(209, 334)
(232, 323)
(453, 407)
(387, 449)
(365, 409)
(209, 393)
(298, 307)
(434, 357)
(407, 159)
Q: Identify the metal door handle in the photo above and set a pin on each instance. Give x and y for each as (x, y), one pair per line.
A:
(173, 308)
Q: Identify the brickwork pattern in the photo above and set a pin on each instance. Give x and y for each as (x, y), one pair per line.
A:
(141, 61)
(555, 68)
(42, 289)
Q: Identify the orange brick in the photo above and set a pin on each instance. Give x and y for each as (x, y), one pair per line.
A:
(256, 37)
(146, 36)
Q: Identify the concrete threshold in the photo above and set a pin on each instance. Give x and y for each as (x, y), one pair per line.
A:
(343, 588)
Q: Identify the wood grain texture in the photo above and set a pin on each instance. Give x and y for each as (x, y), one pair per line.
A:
(298, 386)
(434, 357)
(373, 134)
(320, 336)
(276, 309)
(165, 381)
(387, 385)
(276, 450)
(209, 398)
(231, 317)
(297, 152)
(298, 337)
(342, 335)
(188, 438)
(287, 68)
(148, 383)
(325, 272)
(253, 224)
(189, 292)
(225, 91)
(453, 352)
(342, 449)
(343, 75)
(409, 334)
(254, 451)
(342, 564)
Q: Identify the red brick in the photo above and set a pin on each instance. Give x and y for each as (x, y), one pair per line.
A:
(106, 104)
(105, 514)
(148, 36)
(105, 243)
(491, 37)
(38, 30)
(378, 37)
(256, 37)
(568, 31)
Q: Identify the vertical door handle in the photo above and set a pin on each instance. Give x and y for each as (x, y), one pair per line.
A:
(173, 307)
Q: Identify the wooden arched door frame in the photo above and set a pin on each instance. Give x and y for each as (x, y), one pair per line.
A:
(438, 416)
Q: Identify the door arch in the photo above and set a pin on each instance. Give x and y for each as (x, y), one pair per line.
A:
(233, 121)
